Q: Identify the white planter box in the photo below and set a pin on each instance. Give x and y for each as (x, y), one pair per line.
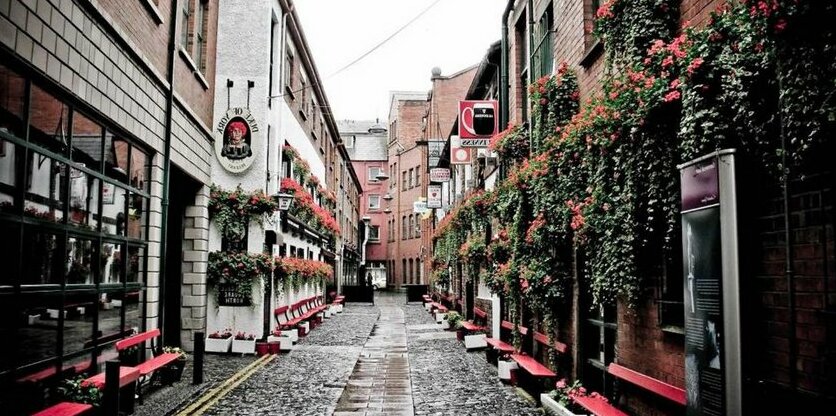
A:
(218, 344)
(504, 369)
(554, 408)
(440, 316)
(428, 305)
(117, 303)
(339, 308)
(328, 312)
(32, 319)
(305, 327)
(53, 313)
(243, 346)
(285, 342)
(475, 341)
(445, 324)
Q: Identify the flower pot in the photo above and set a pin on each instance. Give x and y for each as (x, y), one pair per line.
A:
(505, 369)
(173, 373)
(553, 407)
(282, 343)
(460, 334)
(472, 342)
(304, 328)
(274, 347)
(243, 346)
(220, 345)
(440, 317)
(262, 348)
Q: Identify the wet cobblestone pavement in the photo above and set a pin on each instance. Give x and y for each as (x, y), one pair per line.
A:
(387, 359)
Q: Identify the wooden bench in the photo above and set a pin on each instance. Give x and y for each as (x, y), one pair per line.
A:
(534, 377)
(65, 409)
(660, 388)
(501, 348)
(598, 405)
(147, 368)
(478, 323)
(543, 340)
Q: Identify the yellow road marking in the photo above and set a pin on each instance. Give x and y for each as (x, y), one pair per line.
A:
(211, 397)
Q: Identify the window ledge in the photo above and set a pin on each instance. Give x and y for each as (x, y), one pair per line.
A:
(154, 11)
(191, 64)
(289, 92)
(673, 329)
(592, 54)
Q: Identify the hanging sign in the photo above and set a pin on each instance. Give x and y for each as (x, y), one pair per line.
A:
(419, 207)
(439, 175)
(458, 154)
(238, 140)
(434, 196)
(477, 120)
(435, 147)
(712, 287)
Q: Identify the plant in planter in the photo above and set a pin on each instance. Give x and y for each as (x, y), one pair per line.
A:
(219, 341)
(72, 390)
(453, 320)
(560, 401)
(173, 372)
(243, 343)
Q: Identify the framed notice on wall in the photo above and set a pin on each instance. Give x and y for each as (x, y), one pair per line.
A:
(710, 270)
(108, 193)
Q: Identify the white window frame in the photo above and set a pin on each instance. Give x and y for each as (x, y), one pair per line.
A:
(374, 197)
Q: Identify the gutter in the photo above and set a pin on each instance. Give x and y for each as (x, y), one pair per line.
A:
(503, 67)
(169, 112)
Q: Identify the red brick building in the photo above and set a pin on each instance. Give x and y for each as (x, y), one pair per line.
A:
(787, 311)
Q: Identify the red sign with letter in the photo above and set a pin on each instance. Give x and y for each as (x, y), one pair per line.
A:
(477, 118)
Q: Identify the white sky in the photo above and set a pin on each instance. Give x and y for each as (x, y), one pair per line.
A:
(453, 35)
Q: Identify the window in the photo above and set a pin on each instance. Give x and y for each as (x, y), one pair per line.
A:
(374, 233)
(404, 180)
(418, 176)
(74, 198)
(590, 11)
(598, 340)
(272, 73)
(303, 89)
(288, 71)
(411, 178)
(374, 201)
(185, 24)
(418, 270)
(411, 230)
(200, 32)
(411, 271)
(404, 226)
(541, 56)
(403, 271)
(374, 172)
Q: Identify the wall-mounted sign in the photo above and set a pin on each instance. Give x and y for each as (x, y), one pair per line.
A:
(435, 147)
(434, 196)
(712, 288)
(477, 119)
(458, 154)
(475, 142)
(108, 193)
(238, 140)
(419, 207)
(439, 175)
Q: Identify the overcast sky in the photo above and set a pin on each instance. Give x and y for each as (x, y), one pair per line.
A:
(453, 35)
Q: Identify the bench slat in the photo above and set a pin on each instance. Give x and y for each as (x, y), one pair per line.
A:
(470, 326)
(532, 366)
(500, 345)
(137, 339)
(544, 339)
(480, 313)
(598, 407)
(659, 387)
(510, 326)
(127, 375)
(157, 362)
(65, 409)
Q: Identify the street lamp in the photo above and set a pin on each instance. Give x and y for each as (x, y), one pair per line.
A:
(387, 210)
(284, 200)
(388, 196)
(382, 176)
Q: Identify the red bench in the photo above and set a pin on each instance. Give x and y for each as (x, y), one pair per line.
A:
(668, 391)
(598, 406)
(543, 339)
(499, 347)
(65, 409)
(146, 368)
(478, 323)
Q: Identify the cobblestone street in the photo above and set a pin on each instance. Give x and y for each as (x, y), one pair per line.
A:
(390, 358)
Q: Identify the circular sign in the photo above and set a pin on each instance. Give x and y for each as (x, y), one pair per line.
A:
(238, 140)
(461, 155)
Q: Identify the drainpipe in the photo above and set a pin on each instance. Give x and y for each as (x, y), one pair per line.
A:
(789, 273)
(169, 111)
(503, 68)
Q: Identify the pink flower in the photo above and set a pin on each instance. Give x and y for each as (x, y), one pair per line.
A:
(668, 61)
(694, 65)
(561, 384)
(672, 96)
(780, 25)
(675, 83)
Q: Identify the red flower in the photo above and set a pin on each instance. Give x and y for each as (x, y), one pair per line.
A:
(780, 25)
(694, 65)
(672, 96)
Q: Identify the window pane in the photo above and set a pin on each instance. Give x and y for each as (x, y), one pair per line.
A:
(12, 89)
(9, 253)
(133, 311)
(116, 157)
(137, 216)
(80, 255)
(45, 188)
(136, 266)
(48, 121)
(111, 264)
(84, 200)
(140, 169)
(9, 154)
(37, 336)
(87, 142)
(79, 313)
(113, 210)
(42, 258)
(110, 315)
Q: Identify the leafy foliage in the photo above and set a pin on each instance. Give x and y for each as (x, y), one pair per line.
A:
(238, 269)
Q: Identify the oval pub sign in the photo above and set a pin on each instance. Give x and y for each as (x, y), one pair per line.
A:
(238, 140)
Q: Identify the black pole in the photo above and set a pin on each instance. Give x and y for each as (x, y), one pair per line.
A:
(199, 348)
(111, 389)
